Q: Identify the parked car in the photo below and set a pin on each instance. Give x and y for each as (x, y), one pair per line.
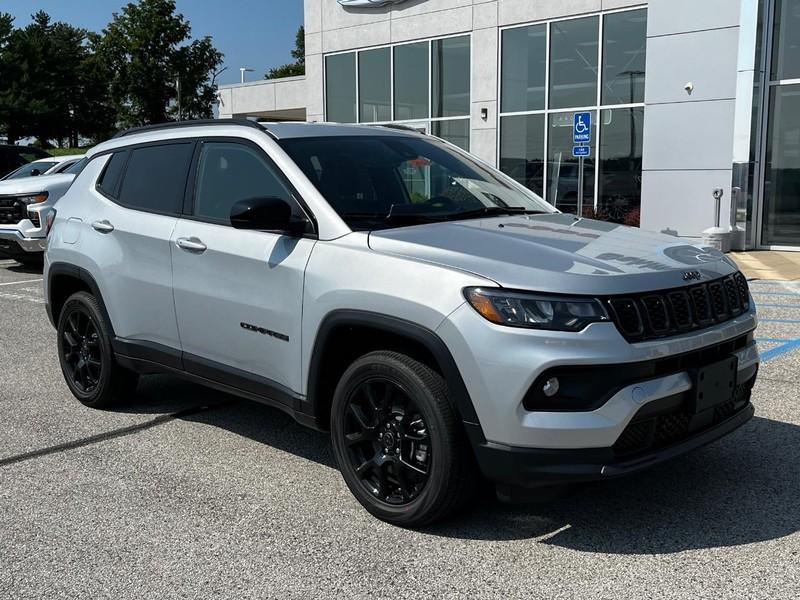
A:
(24, 207)
(466, 329)
(12, 157)
(44, 166)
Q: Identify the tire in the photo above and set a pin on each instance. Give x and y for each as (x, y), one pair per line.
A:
(85, 354)
(399, 442)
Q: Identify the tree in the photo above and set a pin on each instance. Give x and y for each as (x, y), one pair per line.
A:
(45, 89)
(144, 54)
(299, 54)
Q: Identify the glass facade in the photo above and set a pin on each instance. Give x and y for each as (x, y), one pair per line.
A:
(550, 71)
(340, 87)
(573, 62)
(411, 82)
(425, 85)
(780, 182)
(374, 86)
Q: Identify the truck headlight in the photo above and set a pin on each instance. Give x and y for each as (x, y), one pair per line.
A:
(535, 311)
(34, 199)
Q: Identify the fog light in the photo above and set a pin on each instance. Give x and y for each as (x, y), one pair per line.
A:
(550, 387)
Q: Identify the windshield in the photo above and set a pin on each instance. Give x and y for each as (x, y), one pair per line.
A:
(76, 167)
(31, 169)
(376, 182)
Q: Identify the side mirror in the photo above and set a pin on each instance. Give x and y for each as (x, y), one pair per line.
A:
(267, 214)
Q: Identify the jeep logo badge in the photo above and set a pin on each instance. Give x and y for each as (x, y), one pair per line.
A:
(692, 275)
(368, 3)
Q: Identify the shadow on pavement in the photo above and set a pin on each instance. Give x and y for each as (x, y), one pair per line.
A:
(742, 489)
(33, 269)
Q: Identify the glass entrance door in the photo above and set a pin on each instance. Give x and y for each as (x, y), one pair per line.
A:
(780, 224)
(780, 186)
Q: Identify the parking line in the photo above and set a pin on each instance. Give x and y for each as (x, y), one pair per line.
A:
(761, 305)
(755, 293)
(780, 350)
(18, 282)
(779, 320)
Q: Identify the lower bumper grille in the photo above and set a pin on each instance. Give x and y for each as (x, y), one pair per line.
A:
(677, 424)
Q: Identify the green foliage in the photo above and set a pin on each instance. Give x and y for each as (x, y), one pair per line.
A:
(142, 53)
(68, 151)
(60, 83)
(299, 54)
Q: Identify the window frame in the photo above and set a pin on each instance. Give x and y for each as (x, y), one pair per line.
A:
(188, 206)
(596, 108)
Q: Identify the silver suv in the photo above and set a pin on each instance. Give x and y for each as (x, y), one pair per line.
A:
(439, 319)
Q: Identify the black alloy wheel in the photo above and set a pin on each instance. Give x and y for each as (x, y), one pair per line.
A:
(81, 350)
(388, 444)
(84, 352)
(399, 441)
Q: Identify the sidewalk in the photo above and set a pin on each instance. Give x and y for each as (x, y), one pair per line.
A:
(768, 264)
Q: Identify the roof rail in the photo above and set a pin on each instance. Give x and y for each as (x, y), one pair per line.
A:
(195, 123)
(401, 127)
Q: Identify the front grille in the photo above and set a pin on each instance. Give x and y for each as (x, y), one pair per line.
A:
(662, 314)
(652, 433)
(12, 211)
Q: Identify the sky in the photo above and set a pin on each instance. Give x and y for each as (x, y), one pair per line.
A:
(259, 34)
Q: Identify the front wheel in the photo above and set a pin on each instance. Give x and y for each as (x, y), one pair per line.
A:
(398, 441)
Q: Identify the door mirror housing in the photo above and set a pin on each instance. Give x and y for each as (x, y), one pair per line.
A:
(267, 214)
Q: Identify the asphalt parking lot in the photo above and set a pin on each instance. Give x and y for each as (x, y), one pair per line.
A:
(188, 493)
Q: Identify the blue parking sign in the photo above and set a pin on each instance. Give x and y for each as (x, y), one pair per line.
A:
(578, 151)
(582, 128)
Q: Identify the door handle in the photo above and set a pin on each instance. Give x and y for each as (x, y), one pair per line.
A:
(191, 244)
(103, 226)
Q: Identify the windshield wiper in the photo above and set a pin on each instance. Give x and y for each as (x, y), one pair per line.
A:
(491, 211)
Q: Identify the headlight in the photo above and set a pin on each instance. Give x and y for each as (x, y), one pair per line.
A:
(35, 199)
(535, 311)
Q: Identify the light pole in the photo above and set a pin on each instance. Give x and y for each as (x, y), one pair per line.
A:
(243, 70)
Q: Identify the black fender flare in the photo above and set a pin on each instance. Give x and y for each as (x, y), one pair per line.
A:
(402, 328)
(75, 272)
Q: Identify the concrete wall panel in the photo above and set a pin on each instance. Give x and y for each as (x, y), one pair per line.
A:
(675, 59)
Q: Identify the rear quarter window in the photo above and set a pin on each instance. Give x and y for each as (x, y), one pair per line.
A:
(108, 183)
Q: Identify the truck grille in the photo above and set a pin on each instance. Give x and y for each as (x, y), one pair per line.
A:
(661, 314)
(11, 210)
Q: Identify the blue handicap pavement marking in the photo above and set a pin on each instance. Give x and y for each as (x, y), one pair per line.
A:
(582, 128)
(782, 345)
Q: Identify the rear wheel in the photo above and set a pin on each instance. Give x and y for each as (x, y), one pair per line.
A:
(86, 357)
(398, 440)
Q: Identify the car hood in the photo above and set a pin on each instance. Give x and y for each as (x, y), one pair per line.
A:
(34, 185)
(557, 253)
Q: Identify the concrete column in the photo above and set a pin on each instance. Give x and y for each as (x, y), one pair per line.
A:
(690, 99)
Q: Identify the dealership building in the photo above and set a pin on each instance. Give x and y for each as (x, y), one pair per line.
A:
(694, 105)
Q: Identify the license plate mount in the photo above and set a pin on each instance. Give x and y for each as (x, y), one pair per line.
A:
(715, 384)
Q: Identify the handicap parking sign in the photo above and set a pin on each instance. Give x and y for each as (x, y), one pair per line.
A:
(579, 151)
(582, 128)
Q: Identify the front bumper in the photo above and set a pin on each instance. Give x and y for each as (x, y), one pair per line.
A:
(529, 467)
(13, 242)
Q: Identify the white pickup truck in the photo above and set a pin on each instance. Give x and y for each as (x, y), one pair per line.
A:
(24, 206)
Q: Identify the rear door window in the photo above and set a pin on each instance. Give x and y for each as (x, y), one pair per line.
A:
(155, 177)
